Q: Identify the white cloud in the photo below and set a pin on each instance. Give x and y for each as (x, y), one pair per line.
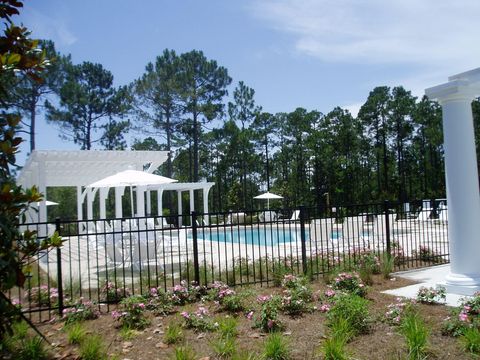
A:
(443, 34)
(52, 27)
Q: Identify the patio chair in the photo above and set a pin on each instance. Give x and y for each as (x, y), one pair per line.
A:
(116, 255)
(295, 216)
(144, 254)
(268, 216)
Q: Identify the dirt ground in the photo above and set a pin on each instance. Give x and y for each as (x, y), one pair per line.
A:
(305, 333)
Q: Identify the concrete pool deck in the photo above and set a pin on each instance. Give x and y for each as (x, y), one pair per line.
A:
(428, 277)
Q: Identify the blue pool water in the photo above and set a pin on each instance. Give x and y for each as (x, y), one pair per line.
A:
(268, 237)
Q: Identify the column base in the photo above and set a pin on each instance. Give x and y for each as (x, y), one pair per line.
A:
(462, 284)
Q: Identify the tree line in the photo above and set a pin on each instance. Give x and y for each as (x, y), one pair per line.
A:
(391, 150)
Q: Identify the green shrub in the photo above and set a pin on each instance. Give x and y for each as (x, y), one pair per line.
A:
(386, 266)
(333, 348)
(92, 348)
(75, 333)
(133, 314)
(173, 334)
(268, 319)
(228, 327)
(224, 347)
(471, 340)
(184, 353)
(416, 335)
(353, 309)
(199, 320)
(82, 310)
(351, 283)
(32, 349)
(276, 348)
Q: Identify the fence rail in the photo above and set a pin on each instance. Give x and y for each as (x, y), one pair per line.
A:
(103, 260)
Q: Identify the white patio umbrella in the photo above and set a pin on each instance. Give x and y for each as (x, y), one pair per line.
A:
(47, 203)
(131, 178)
(268, 196)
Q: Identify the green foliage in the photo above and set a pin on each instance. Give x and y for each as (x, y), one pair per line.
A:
(276, 347)
(184, 353)
(92, 348)
(470, 340)
(82, 310)
(333, 348)
(353, 309)
(268, 319)
(173, 333)
(32, 349)
(224, 347)
(133, 314)
(19, 56)
(350, 283)
(199, 320)
(75, 333)
(387, 265)
(227, 327)
(416, 336)
(87, 96)
(431, 295)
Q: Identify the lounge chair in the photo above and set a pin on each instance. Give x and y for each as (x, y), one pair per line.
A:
(295, 216)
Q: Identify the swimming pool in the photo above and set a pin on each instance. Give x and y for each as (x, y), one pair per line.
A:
(252, 236)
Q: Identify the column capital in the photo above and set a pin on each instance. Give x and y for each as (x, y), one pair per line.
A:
(456, 90)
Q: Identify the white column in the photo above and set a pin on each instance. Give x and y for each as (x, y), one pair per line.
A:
(205, 205)
(180, 210)
(140, 201)
(160, 202)
(149, 203)
(90, 198)
(118, 202)
(79, 203)
(103, 194)
(463, 194)
(192, 200)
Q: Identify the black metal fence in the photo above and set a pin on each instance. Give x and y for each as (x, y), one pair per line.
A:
(103, 260)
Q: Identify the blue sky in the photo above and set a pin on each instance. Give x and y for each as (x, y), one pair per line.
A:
(316, 54)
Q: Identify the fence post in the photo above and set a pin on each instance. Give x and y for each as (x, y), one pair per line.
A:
(59, 271)
(386, 205)
(196, 267)
(303, 240)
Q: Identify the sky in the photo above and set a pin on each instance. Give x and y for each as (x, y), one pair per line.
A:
(316, 54)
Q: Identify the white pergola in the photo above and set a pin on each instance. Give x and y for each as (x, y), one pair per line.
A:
(79, 168)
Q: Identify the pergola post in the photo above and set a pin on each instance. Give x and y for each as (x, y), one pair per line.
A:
(205, 205)
(463, 194)
(149, 203)
(180, 210)
(140, 201)
(160, 202)
(79, 203)
(118, 202)
(103, 197)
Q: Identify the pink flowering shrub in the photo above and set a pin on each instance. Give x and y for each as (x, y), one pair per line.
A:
(396, 311)
(183, 293)
(426, 254)
(199, 320)
(268, 319)
(42, 295)
(112, 292)
(398, 253)
(465, 316)
(159, 302)
(367, 259)
(132, 315)
(227, 298)
(350, 283)
(296, 295)
(431, 295)
(82, 310)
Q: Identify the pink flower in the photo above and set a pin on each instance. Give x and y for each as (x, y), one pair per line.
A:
(185, 315)
(463, 317)
(250, 315)
(330, 293)
(263, 298)
(141, 306)
(116, 315)
(325, 308)
(270, 324)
